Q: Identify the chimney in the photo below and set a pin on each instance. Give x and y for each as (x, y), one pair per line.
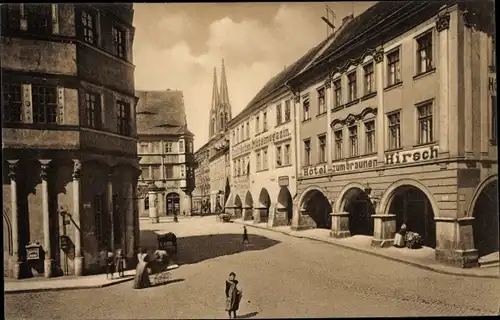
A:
(346, 19)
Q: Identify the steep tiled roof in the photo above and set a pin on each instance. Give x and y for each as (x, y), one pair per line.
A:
(161, 112)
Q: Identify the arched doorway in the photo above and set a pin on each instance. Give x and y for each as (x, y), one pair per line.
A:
(285, 203)
(265, 203)
(318, 208)
(227, 191)
(238, 205)
(485, 212)
(412, 207)
(360, 209)
(248, 214)
(173, 203)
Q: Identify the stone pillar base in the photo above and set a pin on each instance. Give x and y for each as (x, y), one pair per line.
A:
(384, 230)
(340, 234)
(280, 218)
(78, 266)
(257, 215)
(340, 225)
(48, 268)
(247, 214)
(458, 258)
(15, 269)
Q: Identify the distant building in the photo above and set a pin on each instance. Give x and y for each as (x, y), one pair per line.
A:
(165, 149)
(218, 166)
(69, 137)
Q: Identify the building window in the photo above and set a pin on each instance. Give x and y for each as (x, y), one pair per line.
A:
(278, 156)
(39, 18)
(145, 173)
(339, 146)
(369, 78)
(287, 111)
(321, 101)
(146, 203)
(351, 79)
(322, 149)
(307, 152)
(306, 114)
(144, 147)
(168, 147)
(425, 134)
(118, 42)
(89, 26)
(394, 131)
(265, 159)
(353, 141)
(287, 154)
(237, 135)
(156, 172)
(44, 104)
(370, 136)
(424, 53)
(248, 129)
(156, 147)
(242, 132)
(10, 19)
(12, 104)
(494, 124)
(257, 124)
(92, 110)
(234, 137)
(183, 171)
(493, 64)
(169, 172)
(337, 87)
(278, 114)
(123, 117)
(264, 121)
(257, 158)
(393, 68)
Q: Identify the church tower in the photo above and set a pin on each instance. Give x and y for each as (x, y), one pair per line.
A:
(220, 112)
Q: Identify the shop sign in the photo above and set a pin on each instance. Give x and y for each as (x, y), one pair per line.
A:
(412, 156)
(314, 171)
(283, 181)
(261, 141)
(353, 165)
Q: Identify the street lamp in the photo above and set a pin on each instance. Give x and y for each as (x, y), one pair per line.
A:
(368, 192)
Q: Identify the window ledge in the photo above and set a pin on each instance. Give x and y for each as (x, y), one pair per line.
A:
(283, 166)
(368, 96)
(394, 150)
(321, 115)
(423, 74)
(338, 108)
(351, 103)
(262, 170)
(306, 120)
(392, 86)
(283, 123)
(420, 145)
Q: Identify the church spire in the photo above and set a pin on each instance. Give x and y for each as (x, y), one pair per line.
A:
(223, 91)
(215, 92)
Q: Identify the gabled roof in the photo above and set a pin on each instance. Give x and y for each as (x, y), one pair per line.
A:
(161, 113)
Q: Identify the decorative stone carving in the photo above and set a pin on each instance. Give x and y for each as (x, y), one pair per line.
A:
(297, 97)
(328, 82)
(77, 169)
(378, 56)
(350, 119)
(443, 22)
(13, 170)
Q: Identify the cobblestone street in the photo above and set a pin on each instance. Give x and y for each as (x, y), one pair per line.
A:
(281, 276)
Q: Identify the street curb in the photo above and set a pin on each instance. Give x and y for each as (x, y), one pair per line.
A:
(118, 281)
(414, 264)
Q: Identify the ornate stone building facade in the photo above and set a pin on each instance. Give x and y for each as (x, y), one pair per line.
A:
(69, 137)
(213, 170)
(165, 149)
(401, 128)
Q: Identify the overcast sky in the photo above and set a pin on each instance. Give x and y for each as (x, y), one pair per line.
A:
(177, 46)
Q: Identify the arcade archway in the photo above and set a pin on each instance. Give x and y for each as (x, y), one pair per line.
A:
(360, 209)
(318, 208)
(285, 203)
(265, 203)
(227, 190)
(173, 203)
(248, 214)
(237, 206)
(412, 207)
(485, 212)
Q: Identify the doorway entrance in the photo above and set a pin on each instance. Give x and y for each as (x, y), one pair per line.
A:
(173, 203)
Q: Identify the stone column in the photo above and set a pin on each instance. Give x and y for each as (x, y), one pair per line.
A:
(256, 215)
(298, 158)
(111, 211)
(77, 172)
(379, 125)
(484, 95)
(468, 118)
(455, 242)
(384, 230)
(340, 225)
(153, 210)
(328, 101)
(442, 25)
(15, 260)
(48, 263)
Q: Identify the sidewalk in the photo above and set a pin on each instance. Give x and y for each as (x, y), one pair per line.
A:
(421, 258)
(38, 284)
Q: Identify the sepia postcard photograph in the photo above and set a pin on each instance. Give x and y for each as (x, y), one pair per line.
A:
(249, 160)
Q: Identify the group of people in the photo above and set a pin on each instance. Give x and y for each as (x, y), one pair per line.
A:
(406, 238)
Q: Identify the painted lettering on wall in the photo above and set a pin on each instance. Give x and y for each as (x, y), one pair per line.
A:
(411, 156)
(353, 165)
(313, 171)
(261, 142)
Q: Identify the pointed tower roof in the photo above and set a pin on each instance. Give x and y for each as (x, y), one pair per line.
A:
(223, 89)
(215, 92)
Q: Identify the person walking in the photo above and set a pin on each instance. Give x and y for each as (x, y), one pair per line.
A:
(233, 296)
(245, 235)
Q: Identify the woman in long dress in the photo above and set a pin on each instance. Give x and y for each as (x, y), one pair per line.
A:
(233, 295)
(399, 239)
(141, 279)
